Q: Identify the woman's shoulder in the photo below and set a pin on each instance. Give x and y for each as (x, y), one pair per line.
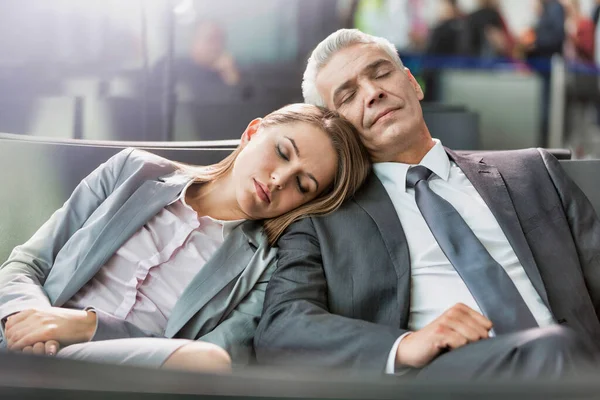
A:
(143, 164)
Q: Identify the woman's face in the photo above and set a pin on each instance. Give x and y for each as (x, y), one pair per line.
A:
(282, 167)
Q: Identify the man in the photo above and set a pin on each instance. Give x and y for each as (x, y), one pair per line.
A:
(466, 266)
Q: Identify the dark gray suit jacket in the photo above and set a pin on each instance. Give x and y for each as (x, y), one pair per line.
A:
(340, 296)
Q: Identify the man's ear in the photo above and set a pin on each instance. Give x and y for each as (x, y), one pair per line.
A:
(251, 130)
(414, 84)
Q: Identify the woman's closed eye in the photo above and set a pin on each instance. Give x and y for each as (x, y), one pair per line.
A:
(280, 153)
(301, 188)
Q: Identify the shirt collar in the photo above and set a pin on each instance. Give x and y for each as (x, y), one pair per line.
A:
(394, 173)
(182, 194)
(227, 226)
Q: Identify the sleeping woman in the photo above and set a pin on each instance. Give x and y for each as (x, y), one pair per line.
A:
(160, 264)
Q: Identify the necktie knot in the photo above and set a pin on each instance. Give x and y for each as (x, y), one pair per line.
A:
(416, 174)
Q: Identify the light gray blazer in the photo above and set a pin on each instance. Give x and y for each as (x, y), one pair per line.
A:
(222, 304)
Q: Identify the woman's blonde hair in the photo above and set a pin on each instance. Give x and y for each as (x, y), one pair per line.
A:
(352, 163)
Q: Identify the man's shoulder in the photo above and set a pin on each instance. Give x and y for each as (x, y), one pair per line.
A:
(370, 193)
(500, 155)
(504, 159)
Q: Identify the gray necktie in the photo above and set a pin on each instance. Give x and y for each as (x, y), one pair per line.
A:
(488, 282)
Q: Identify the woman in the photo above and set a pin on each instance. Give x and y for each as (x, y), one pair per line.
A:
(151, 249)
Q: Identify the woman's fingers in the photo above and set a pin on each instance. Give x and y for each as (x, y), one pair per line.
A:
(39, 349)
(52, 347)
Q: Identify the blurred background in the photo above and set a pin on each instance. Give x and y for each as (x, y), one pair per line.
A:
(501, 74)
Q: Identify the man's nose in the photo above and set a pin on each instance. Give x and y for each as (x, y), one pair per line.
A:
(374, 96)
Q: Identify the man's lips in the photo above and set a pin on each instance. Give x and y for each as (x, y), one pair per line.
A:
(262, 192)
(382, 114)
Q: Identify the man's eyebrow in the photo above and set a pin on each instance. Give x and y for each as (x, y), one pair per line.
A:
(366, 70)
(376, 64)
(311, 176)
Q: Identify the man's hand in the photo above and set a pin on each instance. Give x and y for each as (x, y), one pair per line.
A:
(456, 327)
(65, 326)
(49, 348)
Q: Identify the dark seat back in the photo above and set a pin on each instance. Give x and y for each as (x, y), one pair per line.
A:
(455, 128)
(585, 174)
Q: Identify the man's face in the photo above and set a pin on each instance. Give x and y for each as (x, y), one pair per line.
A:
(381, 99)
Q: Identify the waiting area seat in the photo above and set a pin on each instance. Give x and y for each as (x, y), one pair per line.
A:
(41, 173)
(25, 376)
(455, 128)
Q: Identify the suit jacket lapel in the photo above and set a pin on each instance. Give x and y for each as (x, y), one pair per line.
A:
(491, 187)
(224, 266)
(142, 205)
(374, 199)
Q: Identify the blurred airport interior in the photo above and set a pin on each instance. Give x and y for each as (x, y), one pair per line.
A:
(498, 74)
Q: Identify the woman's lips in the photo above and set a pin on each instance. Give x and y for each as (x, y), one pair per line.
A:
(262, 193)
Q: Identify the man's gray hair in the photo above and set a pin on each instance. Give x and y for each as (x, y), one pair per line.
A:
(335, 42)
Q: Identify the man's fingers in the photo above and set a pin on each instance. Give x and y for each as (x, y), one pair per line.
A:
(461, 311)
(468, 328)
(39, 348)
(481, 319)
(468, 325)
(453, 340)
(52, 347)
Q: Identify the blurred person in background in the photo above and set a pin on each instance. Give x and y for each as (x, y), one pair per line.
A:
(488, 34)
(446, 38)
(582, 84)
(580, 31)
(147, 250)
(596, 12)
(546, 38)
(447, 35)
(317, 18)
(538, 44)
(208, 70)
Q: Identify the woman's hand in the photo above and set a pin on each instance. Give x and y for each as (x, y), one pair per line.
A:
(50, 348)
(65, 326)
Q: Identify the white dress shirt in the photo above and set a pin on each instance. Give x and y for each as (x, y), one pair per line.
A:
(142, 281)
(435, 284)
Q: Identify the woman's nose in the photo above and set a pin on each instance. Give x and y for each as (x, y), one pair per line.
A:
(280, 178)
(277, 182)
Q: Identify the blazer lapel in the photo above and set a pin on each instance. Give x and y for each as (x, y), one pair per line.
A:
(373, 198)
(224, 266)
(140, 207)
(491, 187)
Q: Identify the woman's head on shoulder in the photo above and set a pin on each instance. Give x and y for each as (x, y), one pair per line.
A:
(299, 160)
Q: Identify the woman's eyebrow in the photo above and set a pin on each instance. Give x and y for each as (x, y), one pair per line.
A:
(294, 144)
